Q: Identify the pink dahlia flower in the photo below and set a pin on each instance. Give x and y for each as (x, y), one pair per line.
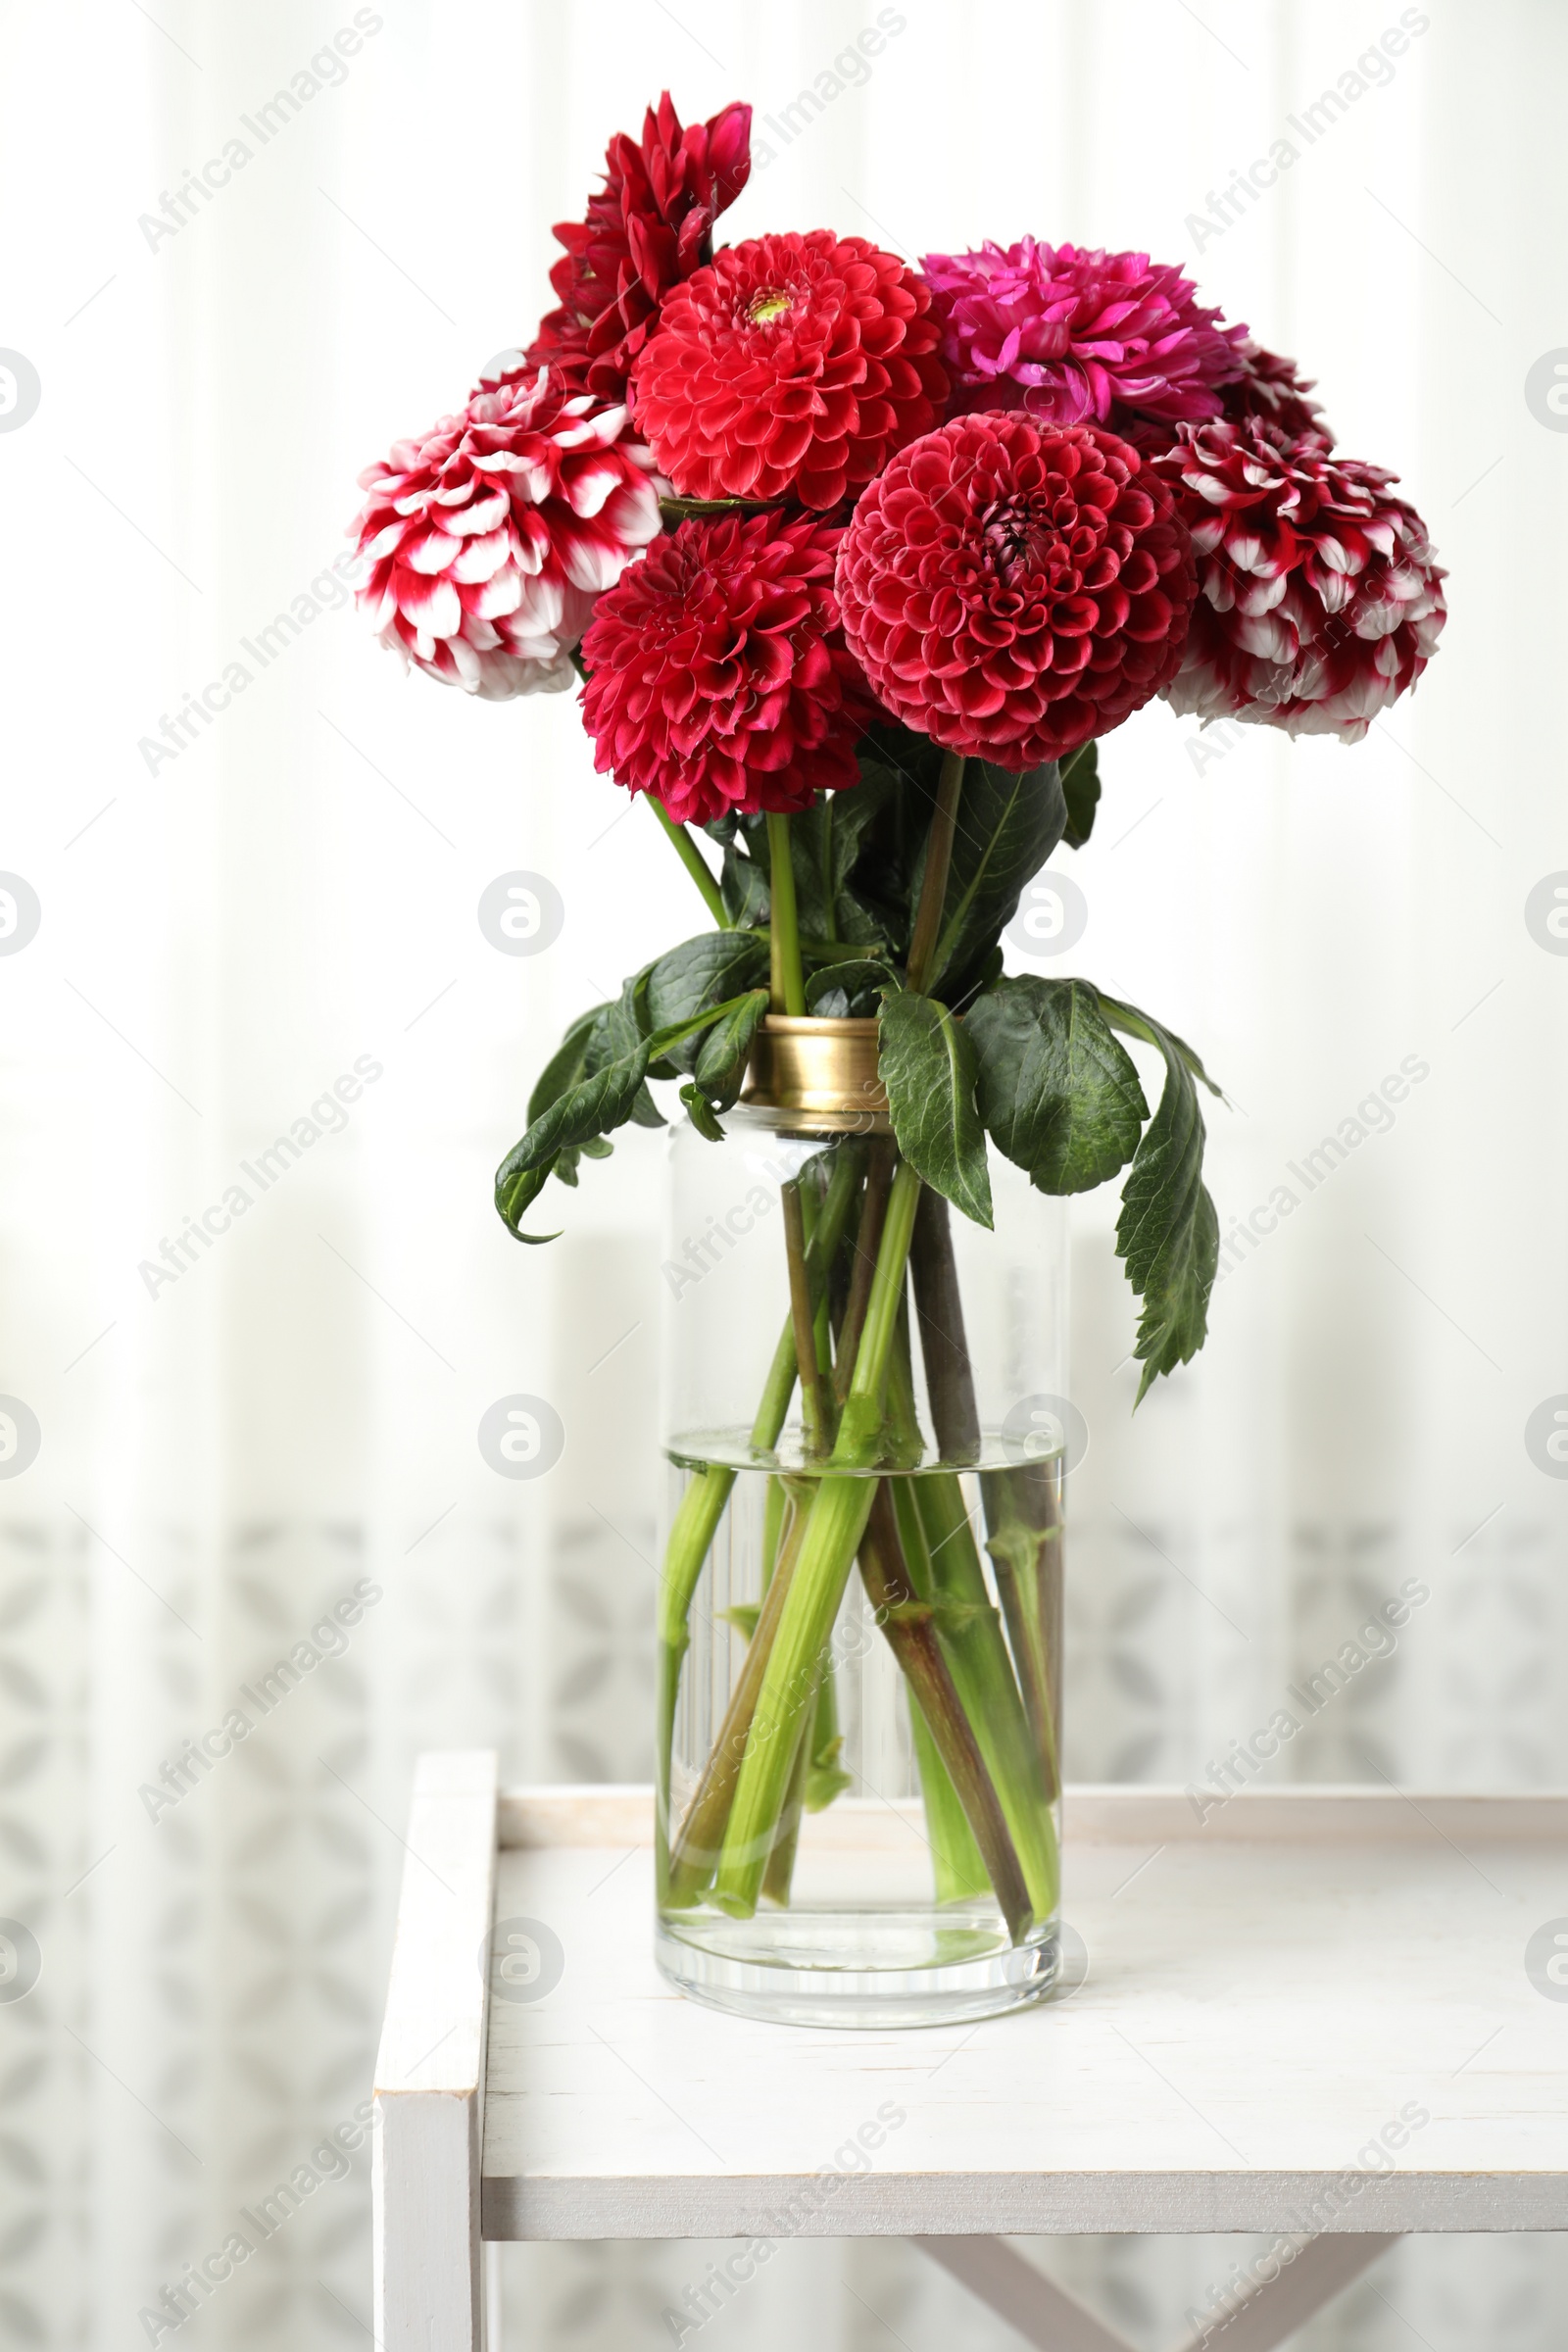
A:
(719, 680)
(1319, 600)
(650, 226)
(485, 541)
(1013, 589)
(1063, 334)
(1274, 390)
(791, 363)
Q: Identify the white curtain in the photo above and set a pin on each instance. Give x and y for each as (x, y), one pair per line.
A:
(255, 854)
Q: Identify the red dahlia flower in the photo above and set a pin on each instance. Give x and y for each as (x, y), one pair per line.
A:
(485, 541)
(791, 363)
(1062, 334)
(1319, 602)
(1273, 390)
(650, 226)
(1012, 590)
(717, 677)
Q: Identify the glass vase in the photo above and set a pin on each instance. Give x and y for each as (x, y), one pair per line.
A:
(860, 1643)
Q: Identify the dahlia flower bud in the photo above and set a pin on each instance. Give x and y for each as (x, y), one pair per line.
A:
(719, 680)
(1319, 600)
(791, 363)
(650, 226)
(485, 541)
(1273, 390)
(1012, 590)
(1063, 334)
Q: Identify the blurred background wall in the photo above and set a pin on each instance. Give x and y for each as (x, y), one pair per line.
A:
(225, 931)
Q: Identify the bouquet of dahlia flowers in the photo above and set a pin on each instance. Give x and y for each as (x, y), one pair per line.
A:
(855, 562)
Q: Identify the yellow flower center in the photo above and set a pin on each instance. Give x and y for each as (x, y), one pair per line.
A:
(767, 307)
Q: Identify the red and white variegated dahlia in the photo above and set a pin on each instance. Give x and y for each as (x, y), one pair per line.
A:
(1319, 601)
(1014, 589)
(792, 365)
(1065, 334)
(650, 226)
(484, 542)
(719, 680)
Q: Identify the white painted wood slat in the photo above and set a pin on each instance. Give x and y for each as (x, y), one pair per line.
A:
(1295, 2031)
(430, 2068)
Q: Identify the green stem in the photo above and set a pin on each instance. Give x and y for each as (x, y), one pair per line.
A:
(867, 1239)
(814, 1414)
(692, 859)
(691, 1538)
(970, 1841)
(696, 1849)
(860, 1435)
(832, 1538)
(934, 882)
(787, 981)
(1023, 1517)
(772, 1525)
(957, 1867)
(976, 1651)
(701, 1506)
(781, 1871)
(827, 1778)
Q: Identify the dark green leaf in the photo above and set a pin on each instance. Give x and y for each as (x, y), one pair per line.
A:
(1080, 789)
(1056, 1090)
(517, 1195)
(726, 1048)
(927, 1065)
(1007, 826)
(564, 1069)
(703, 1115)
(899, 776)
(826, 842)
(566, 1065)
(603, 1099)
(1167, 1232)
(721, 1061)
(618, 1031)
(842, 992)
(743, 887)
(700, 973)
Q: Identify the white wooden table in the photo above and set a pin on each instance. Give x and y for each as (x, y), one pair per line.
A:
(1309, 2016)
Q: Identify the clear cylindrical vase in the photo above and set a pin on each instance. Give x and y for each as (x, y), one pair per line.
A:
(860, 1643)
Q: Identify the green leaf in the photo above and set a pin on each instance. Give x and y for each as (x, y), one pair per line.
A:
(841, 992)
(700, 973)
(743, 887)
(618, 1030)
(721, 1062)
(1167, 1231)
(826, 842)
(1056, 1088)
(517, 1195)
(564, 1069)
(703, 1115)
(898, 777)
(566, 1065)
(1080, 788)
(927, 1065)
(603, 1099)
(726, 1048)
(1007, 827)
